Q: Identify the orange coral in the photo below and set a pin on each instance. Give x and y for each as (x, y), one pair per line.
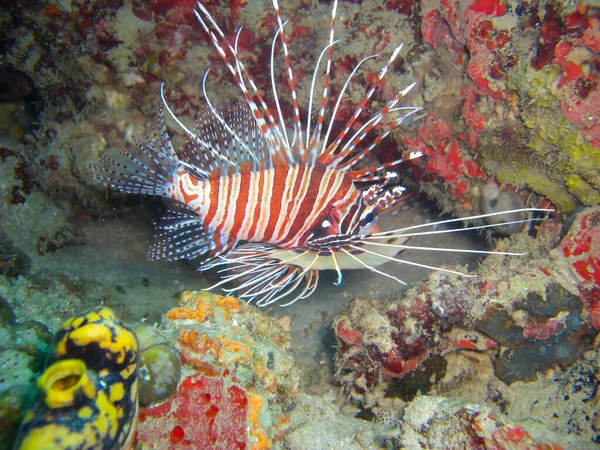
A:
(228, 303)
(201, 313)
(228, 349)
(214, 345)
(255, 403)
(202, 305)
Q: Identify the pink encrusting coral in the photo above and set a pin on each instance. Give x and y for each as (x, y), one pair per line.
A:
(511, 93)
(581, 248)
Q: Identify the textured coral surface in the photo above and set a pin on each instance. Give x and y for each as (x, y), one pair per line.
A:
(203, 414)
(511, 98)
(521, 319)
(238, 378)
(510, 91)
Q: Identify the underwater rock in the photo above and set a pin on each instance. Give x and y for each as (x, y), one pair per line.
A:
(549, 332)
(566, 403)
(31, 337)
(7, 315)
(16, 183)
(14, 86)
(158, 373)
(89, 388)
(319, 421)
(44, 225)
(24, 347)
(18, 105)
(523, 362)
(17, 378)
(53, 296)
(239, 380)
(440, 423)
(13, 262)
(526, 314)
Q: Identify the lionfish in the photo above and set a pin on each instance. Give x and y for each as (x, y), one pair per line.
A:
(271, 208)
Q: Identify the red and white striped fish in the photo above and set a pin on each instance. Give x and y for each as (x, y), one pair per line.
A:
(273, 208)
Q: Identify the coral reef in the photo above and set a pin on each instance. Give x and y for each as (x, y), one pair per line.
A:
(566, 402)
(18, 105)
(89, 388)
(527, 315)
(511, 95)
(53, 296)
(526, 116)
(518, 118)
(13, 262)
(238, 379)
(24, 346)
(581, 248)
(320, 421)
(43, 224)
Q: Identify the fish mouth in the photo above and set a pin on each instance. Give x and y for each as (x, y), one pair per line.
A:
(339, 252)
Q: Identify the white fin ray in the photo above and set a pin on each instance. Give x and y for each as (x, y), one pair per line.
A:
(400, 232)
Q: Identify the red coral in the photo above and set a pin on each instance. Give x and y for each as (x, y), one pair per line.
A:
(447, 155)
(346, 334)
(234, 7)
(551, 30)
(473, 119)
(591, 36)
(591, 298)
(206, 413)
(437, 33)
(542, 329)
(580, 104)
(469, 28)
(581, 247)
(488, 7)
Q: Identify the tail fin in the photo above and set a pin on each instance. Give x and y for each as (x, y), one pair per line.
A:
(147, 173)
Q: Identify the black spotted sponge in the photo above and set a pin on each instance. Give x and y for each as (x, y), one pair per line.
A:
(89, 390)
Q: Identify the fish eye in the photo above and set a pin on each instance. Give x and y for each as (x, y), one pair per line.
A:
(368, 219)
(326, 223)
(367, 223)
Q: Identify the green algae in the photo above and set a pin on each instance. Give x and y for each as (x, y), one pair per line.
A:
(577, 160)
(547, 153)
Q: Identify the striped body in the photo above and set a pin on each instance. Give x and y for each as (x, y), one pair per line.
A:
(268, 207)
(278, 206)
